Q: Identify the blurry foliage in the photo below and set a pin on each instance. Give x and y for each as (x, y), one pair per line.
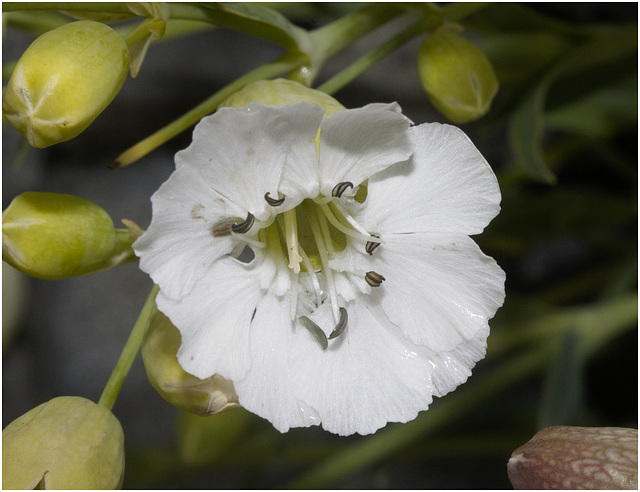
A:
(563, 349)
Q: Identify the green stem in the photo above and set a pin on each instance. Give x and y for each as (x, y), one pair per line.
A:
(128, 354)
(110, 7)
(35, 22)
(334, 37)
(344, 31)
(339, 80)
(142, 148)
(138, 33)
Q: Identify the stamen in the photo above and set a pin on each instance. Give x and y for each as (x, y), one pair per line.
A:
(291, 238)
(371, 245)
(272, 201)
(253, 242)
(342, 324)
(315, 330)
(340, 188)
(312, 274)
(326, 234)
(351, 220)
(324, 259)
(243, 227)
(326, 210)
(374, 279)
(295, 287)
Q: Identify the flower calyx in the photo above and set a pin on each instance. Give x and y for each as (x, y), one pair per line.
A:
(182, 390)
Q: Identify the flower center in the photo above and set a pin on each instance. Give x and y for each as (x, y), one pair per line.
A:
(309, 236)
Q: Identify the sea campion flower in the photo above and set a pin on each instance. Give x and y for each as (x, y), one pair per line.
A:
(331, 278)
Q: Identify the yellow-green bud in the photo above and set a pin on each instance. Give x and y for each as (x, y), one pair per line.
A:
(457, 76)
(282, 91)
(64, 80)
(159, 352)
(53, 236)
(66, 443)
(563, 457)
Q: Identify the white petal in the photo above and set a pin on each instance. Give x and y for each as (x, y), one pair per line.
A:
(246, 152)
(267, 390)
(214, 320)
(452, 368)
(357, 143)
(366, 378)
(369, 375)
(446, 186)
(440, 289)
(447, 369)
(275, 275)
(178, 248)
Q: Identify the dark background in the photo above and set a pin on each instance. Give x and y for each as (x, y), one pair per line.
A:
(68, 334)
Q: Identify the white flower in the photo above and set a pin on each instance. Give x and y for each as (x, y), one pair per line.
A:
(265, 240)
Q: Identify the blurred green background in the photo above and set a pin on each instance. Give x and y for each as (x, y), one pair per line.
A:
(562, 139)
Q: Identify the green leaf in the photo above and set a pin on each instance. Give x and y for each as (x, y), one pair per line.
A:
(526, 129)
(250, 18)
(601, 113)
(562, 395)
(526, 125)
(517, 57)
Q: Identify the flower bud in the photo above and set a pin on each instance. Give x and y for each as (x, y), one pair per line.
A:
(457, 76)
(562, 457)
(66, 443)
(159, 352)
(64, 80)
(53, 236)
(279, 92)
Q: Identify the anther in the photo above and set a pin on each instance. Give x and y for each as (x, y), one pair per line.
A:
(342, 324)
(316, 331)
(244, 226)
(374, 279)
(223, 227)
(371, 245)
(340, 188)
(272, 201)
